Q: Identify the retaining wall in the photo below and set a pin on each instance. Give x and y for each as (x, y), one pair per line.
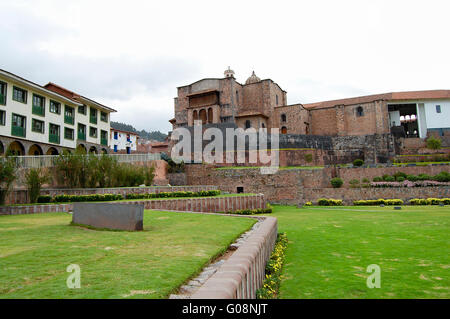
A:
(197, 204)
(244, 272)
(21, 196)
(348, 195)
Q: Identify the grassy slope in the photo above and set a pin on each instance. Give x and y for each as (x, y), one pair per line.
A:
(36, 249)
(330, 249)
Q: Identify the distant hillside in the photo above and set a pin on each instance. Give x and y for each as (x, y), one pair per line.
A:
(153, 135)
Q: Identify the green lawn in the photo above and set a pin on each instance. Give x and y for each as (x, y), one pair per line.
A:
(330, 249)
(36, 249)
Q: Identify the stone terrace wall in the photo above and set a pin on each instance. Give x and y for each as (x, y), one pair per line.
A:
(347, 174)
(20, 196)
(244, 272)
(352, 194)
(198, 204)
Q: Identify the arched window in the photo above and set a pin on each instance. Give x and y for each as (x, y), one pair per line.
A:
(276, 97)
(203, 116)
(237, 96)
(263, 125)
(283, 118)
(359, 111)
(248, 124)
(284, 130)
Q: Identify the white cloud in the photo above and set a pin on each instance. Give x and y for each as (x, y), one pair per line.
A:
(134, 54)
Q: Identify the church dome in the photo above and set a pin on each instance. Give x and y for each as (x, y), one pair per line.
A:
(253, 79)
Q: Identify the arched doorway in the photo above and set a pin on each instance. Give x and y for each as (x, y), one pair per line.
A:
(16, 149)
(93, 149)
(35, 150)
(248, 124)
(81, 149)
(52, 151)
(210, 115)
(203, 116)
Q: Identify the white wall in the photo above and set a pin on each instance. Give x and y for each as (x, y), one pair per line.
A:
(122, 142)
(434, 119)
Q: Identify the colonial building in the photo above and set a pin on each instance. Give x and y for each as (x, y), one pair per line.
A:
(263, 104)
(38, 120)
(123, 141)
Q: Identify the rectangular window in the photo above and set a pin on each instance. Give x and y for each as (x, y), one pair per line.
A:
(93, 116)
(81, 132)
(104, 138)
(82, 109)
(53, 133)
(104, 116)
(69, 133)
(92, 131)
(19, 95)
(37, 126)
(115, 135)
(38, 105)
(55, 107)
(438, 109)
(69, 115)
(2, 117)
(3, 87)
(18, 125)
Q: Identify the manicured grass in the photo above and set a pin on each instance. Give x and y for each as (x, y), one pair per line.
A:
(36, 249)
(330, 248)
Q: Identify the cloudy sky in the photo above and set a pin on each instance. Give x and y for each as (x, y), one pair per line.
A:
(131, 55)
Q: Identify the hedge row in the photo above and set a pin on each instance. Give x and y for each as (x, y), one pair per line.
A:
(329, 202)
(400, 177)
(79, 198)
(430, 201)
(373, 202)
(267, 210)
(115, 197)
(173, 194)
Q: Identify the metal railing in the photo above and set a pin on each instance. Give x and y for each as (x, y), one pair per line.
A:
(49, 160)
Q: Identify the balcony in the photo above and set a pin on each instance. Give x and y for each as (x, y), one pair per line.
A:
(18, 131)
(2, 99)
(38, 110)
(53, 138)
(104, 141)
(69, 119)
(82, 136)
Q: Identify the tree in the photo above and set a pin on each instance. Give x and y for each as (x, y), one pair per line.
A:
(8, 170)
(34, 179)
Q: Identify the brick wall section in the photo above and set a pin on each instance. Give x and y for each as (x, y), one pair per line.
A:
(352, 194)
(244, 272)
(198, 204)
(20, 196)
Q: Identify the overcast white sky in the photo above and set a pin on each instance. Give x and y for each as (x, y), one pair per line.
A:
(131, 55)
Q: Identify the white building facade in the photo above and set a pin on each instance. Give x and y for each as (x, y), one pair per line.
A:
(123, 141)
(45, 120)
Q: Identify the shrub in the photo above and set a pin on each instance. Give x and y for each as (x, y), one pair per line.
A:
(412, 178)
(400, 179)
(87, 198)
(442, 177)
(375, 202)
(308, 158)
(424, 177)
(336, 182)
(377, 179)
(400, 174)
(308, 204)
(389, 179)
(44, 199)
(34, 179)
(358, 162)
(429, 201)
(8, 170)
(434, 143)
(354, 183)
(209, 193)
(329, 202)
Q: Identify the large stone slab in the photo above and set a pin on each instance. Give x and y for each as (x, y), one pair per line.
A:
(112, 216)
